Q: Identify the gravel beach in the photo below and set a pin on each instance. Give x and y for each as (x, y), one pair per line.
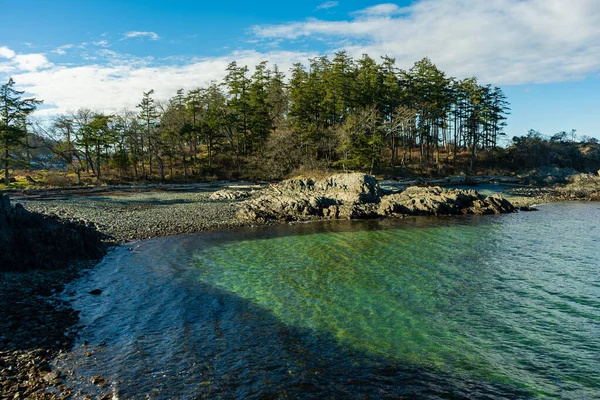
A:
(127, 216)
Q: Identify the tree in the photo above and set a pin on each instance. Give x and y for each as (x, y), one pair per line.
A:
(13, 112)
(238, 85)
(361, 139)
(149, 116)
(101, 136)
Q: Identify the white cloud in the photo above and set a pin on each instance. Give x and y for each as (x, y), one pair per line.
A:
(327, 5)
(120, 84)
(5, 52)
(60, 50)
(31, 62)
(22, 62)
(101, 43)
(500, 41)
(134, 34)
(381, 10)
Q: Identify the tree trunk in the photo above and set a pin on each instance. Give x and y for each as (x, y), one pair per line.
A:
(142, 155)
(98, 161)
(6, 176)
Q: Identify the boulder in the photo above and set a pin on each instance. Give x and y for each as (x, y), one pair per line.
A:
(226, 194)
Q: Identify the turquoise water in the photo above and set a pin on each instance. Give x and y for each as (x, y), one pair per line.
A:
(472, 307)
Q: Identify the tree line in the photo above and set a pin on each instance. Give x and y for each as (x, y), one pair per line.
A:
(337, 112)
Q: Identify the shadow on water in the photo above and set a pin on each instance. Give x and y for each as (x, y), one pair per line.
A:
(229, 347)
(252, 313)
(156, 331)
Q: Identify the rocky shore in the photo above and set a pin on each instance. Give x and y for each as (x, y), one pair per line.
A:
(35, 249)
(567, 185)
(35, 329)
(34, 325)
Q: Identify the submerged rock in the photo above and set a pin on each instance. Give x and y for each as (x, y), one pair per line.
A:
(356, 196)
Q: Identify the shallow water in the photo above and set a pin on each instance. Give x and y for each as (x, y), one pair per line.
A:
(471, 307)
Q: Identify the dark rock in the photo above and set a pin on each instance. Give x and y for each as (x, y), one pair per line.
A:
(35, 241)
(527, 208)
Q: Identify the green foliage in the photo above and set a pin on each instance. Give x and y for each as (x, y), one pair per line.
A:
(534, 150)
(13, 128)
(340, 112)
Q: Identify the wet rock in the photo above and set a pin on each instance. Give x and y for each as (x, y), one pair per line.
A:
(527, 208)
(53, 377)
(99, 380)
(33, 333)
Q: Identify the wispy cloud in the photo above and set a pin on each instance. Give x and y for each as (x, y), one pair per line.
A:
(101, 43)
(387, 9)
(61, 50)
(135, 34)
(500, 41)
(327, 5)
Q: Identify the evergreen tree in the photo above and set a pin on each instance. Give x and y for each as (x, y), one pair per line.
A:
(13, 112)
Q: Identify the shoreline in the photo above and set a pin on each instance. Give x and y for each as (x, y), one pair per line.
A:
(25, 370)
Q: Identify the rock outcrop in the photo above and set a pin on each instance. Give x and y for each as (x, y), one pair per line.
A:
(545, 176)
(357, 196)
(30, 240)
(227, 194)
(580, 187)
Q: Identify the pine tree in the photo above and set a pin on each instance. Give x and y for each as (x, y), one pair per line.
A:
(13, 112)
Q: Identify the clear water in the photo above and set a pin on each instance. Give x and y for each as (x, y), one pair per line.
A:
(471, 307)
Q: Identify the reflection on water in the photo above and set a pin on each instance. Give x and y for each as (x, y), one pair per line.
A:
(472, 307)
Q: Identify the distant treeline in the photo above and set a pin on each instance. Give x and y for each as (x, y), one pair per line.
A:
(332, 113)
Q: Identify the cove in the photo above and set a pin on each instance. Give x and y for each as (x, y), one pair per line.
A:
(468, 307)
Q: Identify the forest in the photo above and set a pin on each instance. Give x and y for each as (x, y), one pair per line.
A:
(330, 114)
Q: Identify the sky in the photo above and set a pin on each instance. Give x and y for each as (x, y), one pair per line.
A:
(102, 54)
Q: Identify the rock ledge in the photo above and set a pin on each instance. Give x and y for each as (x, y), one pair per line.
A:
(357, 196)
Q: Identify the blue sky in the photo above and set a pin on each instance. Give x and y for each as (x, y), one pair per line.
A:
(102, 54)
